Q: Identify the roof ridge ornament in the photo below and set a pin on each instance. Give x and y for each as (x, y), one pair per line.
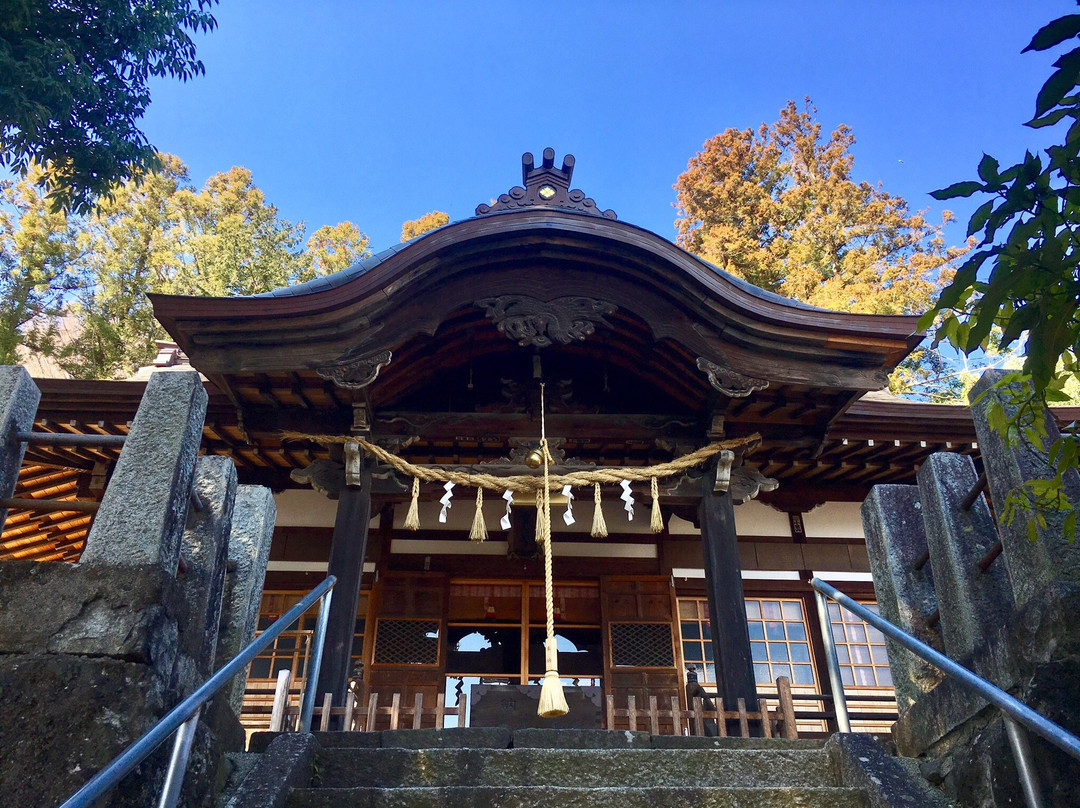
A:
(546, 186)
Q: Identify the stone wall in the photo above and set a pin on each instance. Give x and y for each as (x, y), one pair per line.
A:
(1013, 622)
(93, 654)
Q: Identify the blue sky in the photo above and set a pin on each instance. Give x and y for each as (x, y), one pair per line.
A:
(379, 112)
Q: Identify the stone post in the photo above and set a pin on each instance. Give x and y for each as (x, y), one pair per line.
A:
(205, 551)
(895, 539)
(249, 550)
(142, 515)
(19, 398)
(975, 605)
(1051, 559)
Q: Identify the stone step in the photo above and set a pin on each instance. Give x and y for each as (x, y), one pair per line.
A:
(576, 768)
(561, 797)
(503, 738)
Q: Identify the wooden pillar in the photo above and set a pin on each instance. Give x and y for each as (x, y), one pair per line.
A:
(723, 582)
(347, 551)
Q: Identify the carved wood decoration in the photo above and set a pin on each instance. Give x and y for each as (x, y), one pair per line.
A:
(355, 372)
(728, 381)
(325, 476)
(747, 482)
(534, 322)
(546, 186)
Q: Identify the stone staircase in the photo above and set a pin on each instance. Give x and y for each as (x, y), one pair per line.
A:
(477, 768)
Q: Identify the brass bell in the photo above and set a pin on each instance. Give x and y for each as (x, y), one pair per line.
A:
(534, 459)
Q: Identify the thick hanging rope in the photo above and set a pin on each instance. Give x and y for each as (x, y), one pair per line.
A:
(527, 483)
(552, 701)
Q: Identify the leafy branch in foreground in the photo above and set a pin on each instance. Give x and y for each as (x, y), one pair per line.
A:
(1022, 282)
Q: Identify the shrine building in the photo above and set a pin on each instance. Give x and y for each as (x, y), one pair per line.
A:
(541, 316)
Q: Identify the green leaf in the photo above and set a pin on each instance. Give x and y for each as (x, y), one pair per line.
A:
(988, 169)
(958, 189)
(1049, 119)
(1059, 83)
(979, 217)
(1054, 33)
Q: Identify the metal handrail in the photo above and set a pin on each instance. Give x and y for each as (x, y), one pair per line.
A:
(184, 716)
(1016, 712)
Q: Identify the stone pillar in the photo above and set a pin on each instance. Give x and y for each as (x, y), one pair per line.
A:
(249, 549)
(975, 605)
(19, 398)
(727, 610)
(1050, 559)
(895, 539)
(142, 515)
(347, 551)
(205, 551)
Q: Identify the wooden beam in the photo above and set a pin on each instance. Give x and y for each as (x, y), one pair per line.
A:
(723, 583)
(347, 550)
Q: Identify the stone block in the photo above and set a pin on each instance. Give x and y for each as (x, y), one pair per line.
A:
(863, 764)
(124, 613)
(452, 738)
(19, 398)
(252, 531)
(1051, 558)
(580, 739)
(142, 515)
(205, 550)
(974, 605)
(895, 539)
(964, 735)
(63, 718)
(286, 764)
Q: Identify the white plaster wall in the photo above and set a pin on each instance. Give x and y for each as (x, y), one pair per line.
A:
(303, 507)
(755, 518)
(752, 518)
(840, 520)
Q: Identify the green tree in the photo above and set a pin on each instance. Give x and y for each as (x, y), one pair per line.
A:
(331, 249)
(134, 243)
(153, 233)
(235, 242)
(1023, 279)
(74, 83)
(779, 207)
(429, 221)
(39, 265)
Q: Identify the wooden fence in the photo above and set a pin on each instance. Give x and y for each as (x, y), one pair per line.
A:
(677, 721)
(360, 717)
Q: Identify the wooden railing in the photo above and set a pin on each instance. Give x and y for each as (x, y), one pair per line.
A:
(677, 721)
(360, 716)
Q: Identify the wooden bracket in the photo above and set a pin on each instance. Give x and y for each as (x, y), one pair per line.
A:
(723, 470)
(353, 458)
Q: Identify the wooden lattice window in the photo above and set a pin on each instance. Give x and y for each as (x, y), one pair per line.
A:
(406, 642)
(641, 645)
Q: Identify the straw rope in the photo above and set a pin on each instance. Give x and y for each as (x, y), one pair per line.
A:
(527, 483)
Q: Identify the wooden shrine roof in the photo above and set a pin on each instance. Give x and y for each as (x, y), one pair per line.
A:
(435, 346)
